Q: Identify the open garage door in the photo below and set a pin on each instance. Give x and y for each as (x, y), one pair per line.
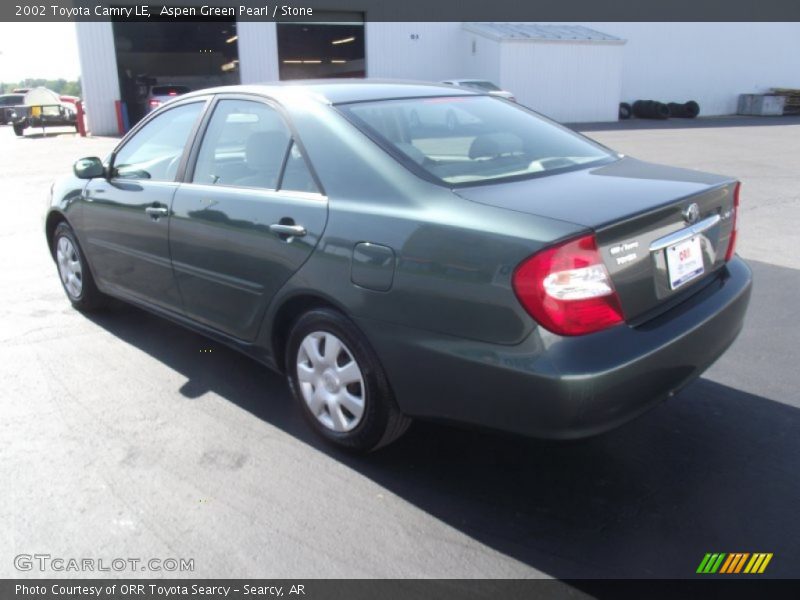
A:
(159, 60)
(322, 49)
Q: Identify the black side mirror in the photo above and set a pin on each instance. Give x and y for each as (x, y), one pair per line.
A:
(89, 168)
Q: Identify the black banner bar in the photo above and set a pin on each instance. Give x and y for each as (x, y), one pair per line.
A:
(391, 589)
(403, 10)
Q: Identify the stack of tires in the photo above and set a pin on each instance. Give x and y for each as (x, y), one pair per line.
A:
(687, 110)
(653, 109)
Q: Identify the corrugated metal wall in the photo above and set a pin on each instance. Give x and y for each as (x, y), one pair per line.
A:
(99, 77)
(258, 51)
(570, 82)
(482, 57)
(422, 51)
(711, 63)
(574, 82)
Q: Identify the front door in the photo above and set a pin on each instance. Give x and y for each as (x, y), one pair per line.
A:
(248, 216)
(126, 217)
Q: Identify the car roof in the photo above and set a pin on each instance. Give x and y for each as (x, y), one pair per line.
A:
(469, 80)
(343, 91)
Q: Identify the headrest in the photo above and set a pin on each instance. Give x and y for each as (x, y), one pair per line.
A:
(484, 146)
(491, 145)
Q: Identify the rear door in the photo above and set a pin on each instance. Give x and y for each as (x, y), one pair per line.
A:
(126, 217)
(247, 217)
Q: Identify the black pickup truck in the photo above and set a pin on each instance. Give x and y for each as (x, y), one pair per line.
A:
(7, 104)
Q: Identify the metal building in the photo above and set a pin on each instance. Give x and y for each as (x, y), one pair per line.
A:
(574, 73)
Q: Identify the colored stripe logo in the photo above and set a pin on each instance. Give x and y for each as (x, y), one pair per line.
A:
(735, 562)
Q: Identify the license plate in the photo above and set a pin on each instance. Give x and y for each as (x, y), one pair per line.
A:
(684, 262)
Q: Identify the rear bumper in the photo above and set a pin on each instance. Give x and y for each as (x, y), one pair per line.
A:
(555, 387)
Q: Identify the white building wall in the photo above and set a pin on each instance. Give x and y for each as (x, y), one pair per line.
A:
(99, 77)
(711, 63)
(481, 57)
(258, 51)
(435, 53)
(574, 82)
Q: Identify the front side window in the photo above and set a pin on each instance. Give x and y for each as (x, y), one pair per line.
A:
(245, 145)
(155, 151)
(464, 140)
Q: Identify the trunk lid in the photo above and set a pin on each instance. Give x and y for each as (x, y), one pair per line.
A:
(640, 212)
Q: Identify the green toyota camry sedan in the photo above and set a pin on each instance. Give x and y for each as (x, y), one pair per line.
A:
(406, 250)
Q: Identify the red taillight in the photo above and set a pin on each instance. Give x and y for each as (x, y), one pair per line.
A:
(735, 227)
(567, 288)
(154, 103)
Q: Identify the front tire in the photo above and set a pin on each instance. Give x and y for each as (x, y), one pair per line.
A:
(73, 270)
(19, 129)
(339, 383)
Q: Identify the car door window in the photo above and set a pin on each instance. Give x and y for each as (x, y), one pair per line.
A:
(296, 175)
(155, 151)
(247, 144)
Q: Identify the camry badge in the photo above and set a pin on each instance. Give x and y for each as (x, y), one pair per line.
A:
(691, 213)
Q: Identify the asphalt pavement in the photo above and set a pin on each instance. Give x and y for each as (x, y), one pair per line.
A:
(125, 436)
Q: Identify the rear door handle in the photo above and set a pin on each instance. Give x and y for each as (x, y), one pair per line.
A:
(288, 230)
(156, 211)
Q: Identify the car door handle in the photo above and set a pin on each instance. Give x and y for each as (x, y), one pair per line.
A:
(288, 230)
(156, 211)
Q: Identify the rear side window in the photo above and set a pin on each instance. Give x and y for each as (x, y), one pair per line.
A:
(466, 140)
(296, 176)
(248, 144)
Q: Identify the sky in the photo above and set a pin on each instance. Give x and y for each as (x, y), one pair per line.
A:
(38, 50)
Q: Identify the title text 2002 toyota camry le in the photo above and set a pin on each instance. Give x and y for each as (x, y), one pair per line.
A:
(474, 263)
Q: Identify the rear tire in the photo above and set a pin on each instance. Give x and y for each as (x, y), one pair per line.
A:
(19, 129)
(339, 383)
(73, 270)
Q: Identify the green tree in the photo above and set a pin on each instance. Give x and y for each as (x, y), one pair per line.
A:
(59, 86)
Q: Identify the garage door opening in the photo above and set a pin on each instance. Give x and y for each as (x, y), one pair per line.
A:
(321, 50)
(157, 61)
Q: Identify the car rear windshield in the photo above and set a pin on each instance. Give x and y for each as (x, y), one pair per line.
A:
(169, 90)
(465, 140)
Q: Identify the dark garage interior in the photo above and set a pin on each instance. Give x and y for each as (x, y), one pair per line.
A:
(321, 50)
(182, 55)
